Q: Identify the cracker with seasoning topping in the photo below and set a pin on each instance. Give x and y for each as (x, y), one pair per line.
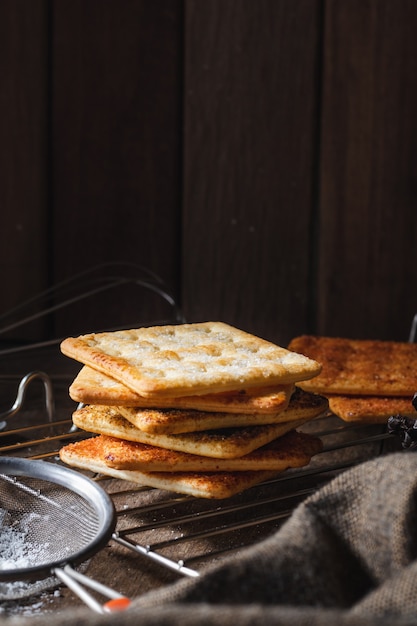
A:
(359, 366)
(88, 455)
(370, 409)
(93, 387)
(221, 443)
(294, 449)
(302, 405)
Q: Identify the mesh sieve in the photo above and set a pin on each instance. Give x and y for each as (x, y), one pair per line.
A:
(51, 519)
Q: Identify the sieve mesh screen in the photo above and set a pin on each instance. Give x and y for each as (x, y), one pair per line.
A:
(50, 517)
(42, 523)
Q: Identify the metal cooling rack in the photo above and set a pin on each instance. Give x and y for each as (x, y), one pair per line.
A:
(179, 533)
(189, 531)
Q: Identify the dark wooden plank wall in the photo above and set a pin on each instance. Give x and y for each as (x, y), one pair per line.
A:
(23, 152)
(259, 156)
(116, 148)
(368, 194)
(250, 148)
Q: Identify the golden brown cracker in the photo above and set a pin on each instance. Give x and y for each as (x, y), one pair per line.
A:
(302, 405)
(359, 367)
(370, 409)
(189, 359)
(88, 456)
(224, 443)
(294, 449)
(93, 387)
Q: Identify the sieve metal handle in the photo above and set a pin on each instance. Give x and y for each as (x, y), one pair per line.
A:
(75, 581)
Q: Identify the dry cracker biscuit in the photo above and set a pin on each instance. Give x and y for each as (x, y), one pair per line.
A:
(224, 443)
(294, 449)
(86, 455)
(302, 405)
(360, 367)
(370, 409)
(189, 359)
(93, 387)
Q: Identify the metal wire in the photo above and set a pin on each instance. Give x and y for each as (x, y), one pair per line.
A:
(187, 527)
(197, 520)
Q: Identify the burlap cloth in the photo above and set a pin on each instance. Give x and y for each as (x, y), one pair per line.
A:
(347, 555)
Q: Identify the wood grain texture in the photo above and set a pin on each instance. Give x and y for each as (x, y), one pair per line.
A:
(116, 77)
(258, 156)
(23, 154)
(250, 122)
(368, 222)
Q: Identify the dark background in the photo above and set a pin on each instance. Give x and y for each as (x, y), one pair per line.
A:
(258, 155)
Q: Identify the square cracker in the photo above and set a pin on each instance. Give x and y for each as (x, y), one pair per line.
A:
(360, 366)
(293, 449)
(189, 359)
(93, 387)
(212, 485)
(224, 443)
(370, 409)
(303, 405)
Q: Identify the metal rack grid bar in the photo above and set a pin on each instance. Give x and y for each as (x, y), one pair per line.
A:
(212, 516)
(267, 504)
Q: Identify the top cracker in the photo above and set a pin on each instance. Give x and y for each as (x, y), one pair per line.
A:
(189, 359)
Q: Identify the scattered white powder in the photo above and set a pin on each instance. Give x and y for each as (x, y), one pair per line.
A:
(30, 607)
(16, 551)
(19, 550)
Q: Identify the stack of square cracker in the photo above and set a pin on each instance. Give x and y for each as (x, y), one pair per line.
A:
(202, 409)
(364, 380)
